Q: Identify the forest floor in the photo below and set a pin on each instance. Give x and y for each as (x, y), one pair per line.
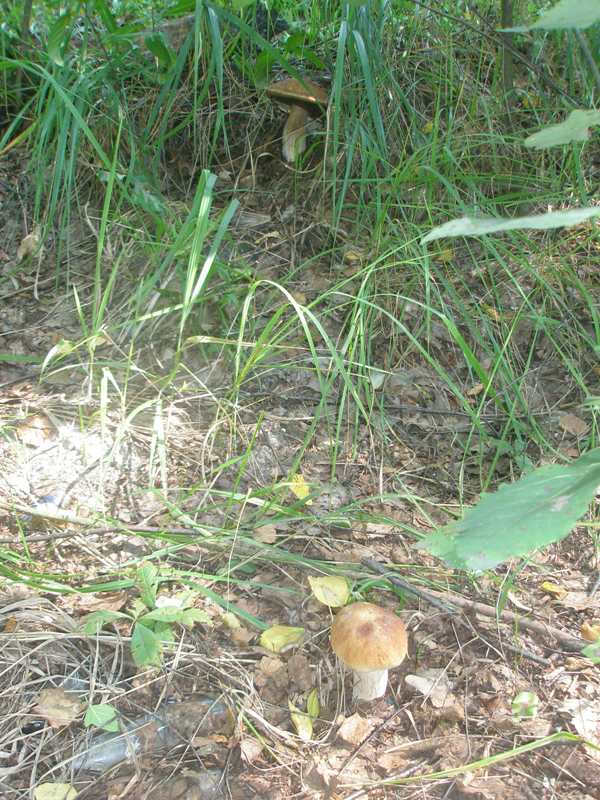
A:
(95, 483)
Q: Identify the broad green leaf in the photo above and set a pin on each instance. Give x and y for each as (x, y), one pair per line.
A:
(565, 14)
(55, 791)
(525, 704)
(302, 722)
(576, 128)
(102, 9)
(58, 37)
(145, 647)
(102, 715)
(164, 615)
(94, 622)
(147, 581)
(163, 632)
(261, 70)
(331, 590)
(520, 517)
(280, 637)
(193, 615)
(158, 46)
(474, 226)
(312, 704)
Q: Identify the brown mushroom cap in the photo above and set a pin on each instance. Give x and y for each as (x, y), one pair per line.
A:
(367, 637)
(294, 92)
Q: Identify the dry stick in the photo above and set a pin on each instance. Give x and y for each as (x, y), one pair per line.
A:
(449, 600)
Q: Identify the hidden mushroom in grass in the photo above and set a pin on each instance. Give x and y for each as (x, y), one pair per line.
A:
(369, 640)
(305, 100)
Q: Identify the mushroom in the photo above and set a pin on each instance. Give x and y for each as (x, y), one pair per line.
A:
(305, 99)
(369, 640)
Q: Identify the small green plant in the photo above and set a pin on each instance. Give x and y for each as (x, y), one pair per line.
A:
(153, 617)
(525, 705)
(103, 716)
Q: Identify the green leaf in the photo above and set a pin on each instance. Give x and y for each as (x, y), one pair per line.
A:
(312, 704)
(147, 581)
(520, 517)
(474, 226)
(576, 128)
(102, 715)
(280, 637)
(58, 38)
(158, 46)
(565, 14)
(145, 647)
(163, 632)
(102, 9)
(302, 722)
(261, 70)
(525, 705)
(94, 622)
(191, 616)
(592, 651)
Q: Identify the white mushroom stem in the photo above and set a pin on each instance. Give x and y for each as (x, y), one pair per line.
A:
(369, 685)
(294, 133)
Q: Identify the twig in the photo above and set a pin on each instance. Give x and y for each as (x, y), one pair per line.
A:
(407, 587)
(448, 600)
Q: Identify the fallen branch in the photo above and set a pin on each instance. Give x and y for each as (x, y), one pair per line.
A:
(455, 604)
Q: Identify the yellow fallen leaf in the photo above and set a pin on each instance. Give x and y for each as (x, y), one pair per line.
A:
(445, 256)
(554, 589)
(300, 487)
(231, 621)
(280, 637)
(589, 632)
(492, 312)
(55, 791)
(331, 590)
(302, 722)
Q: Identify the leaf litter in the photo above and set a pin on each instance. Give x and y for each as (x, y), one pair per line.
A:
(448, 707)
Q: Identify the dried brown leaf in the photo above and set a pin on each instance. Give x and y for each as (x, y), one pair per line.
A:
(573, 424)
(250, 749)
(57, 707)
(29, 245)
(355, 729)
(435, 685)
(267, 534)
